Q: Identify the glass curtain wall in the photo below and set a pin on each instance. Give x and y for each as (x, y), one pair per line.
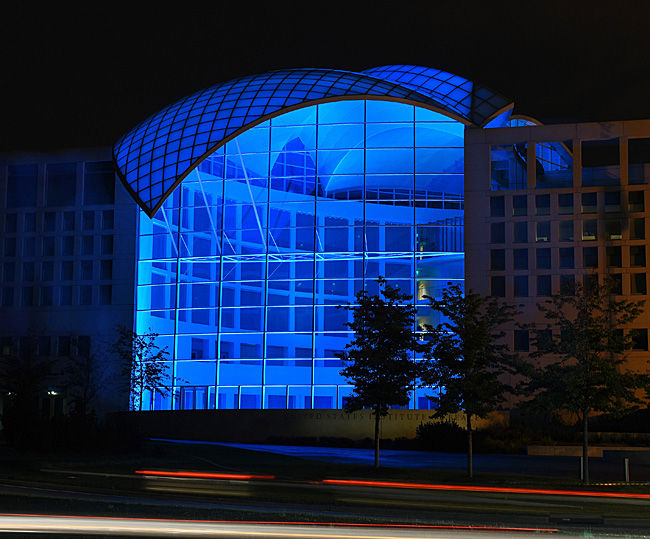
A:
(243, 269)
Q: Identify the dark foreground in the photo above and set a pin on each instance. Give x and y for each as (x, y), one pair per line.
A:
(215, 483)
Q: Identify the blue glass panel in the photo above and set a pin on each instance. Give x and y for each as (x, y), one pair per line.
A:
(389, 161)
(396, 135)
(296, 117)
(196, 372)
(387, 111)
(450, 135)
(340, 136)
(439, 160)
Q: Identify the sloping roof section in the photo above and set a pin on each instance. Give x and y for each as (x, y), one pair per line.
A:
(156, 155)
(468, 99)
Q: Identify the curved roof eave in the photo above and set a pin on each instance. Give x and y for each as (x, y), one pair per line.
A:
(156, 155)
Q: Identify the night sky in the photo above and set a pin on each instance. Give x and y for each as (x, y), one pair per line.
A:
(78, 78)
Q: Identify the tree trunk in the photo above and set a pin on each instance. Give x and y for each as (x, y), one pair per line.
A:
(377, 418)
(470, 464)
(585, 446)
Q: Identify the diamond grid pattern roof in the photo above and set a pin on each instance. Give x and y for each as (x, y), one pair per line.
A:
(468, 99)
(155, 156)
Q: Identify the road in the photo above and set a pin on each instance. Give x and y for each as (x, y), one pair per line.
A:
(119, 527)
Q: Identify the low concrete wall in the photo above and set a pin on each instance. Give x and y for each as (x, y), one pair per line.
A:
(576, 450)
(257, 426)
(636, 455)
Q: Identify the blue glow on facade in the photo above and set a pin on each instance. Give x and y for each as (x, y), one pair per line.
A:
(242, 268)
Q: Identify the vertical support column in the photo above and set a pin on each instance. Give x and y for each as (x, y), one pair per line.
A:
(531, 165)
(624, 160)
(577, 163)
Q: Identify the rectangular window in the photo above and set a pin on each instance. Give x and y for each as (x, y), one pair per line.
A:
(566, 230)
(49, 221)
(498, 286)
(519, 205)
(48, 246)
(29, 223)
(60, 184)
(88, 220)
(67, 245)
(544, 287)
(614, 257)
(87, 245)
(28, 271)
(543, 231)
(565, 203)
(589, 202)
(22, 186)
(99, 183)
(617, 283)
(8, 272)
(106, 270)
(8, 296)
(542, 204)
(590, 230)
(10, 247)
(27, 296)
(590, 257)
(638, 284)
(568, 284)
(47, 271)
(86, 270)
(639, 339)
(497, 259)
(85, 295)
(66, 270)
(567, 259)
(498, 232)
(613, 229)
(65, 295)
(637, 256)
(520, 286)
(11, 223)
(590, 281)
(612, 201)
(637, 228)
(543, 258)
(520, 232)
(521, 340)
(107, 245)
(108, 220)
(601, 162)
(635, 201)
(497, 206)
(520, 259)
(67, 223)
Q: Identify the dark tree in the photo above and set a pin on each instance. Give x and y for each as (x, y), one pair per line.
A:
(25, 375)
(143, 364)
(466, 358)
(86, 377)
(379, 361)
(584, 341)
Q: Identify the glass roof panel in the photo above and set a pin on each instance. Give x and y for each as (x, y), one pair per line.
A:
(152, 152)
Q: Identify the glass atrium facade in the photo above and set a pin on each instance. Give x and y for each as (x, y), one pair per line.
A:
(242, 269)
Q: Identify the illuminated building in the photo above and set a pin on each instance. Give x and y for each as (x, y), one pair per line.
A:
(267, 202)
(274, 199)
